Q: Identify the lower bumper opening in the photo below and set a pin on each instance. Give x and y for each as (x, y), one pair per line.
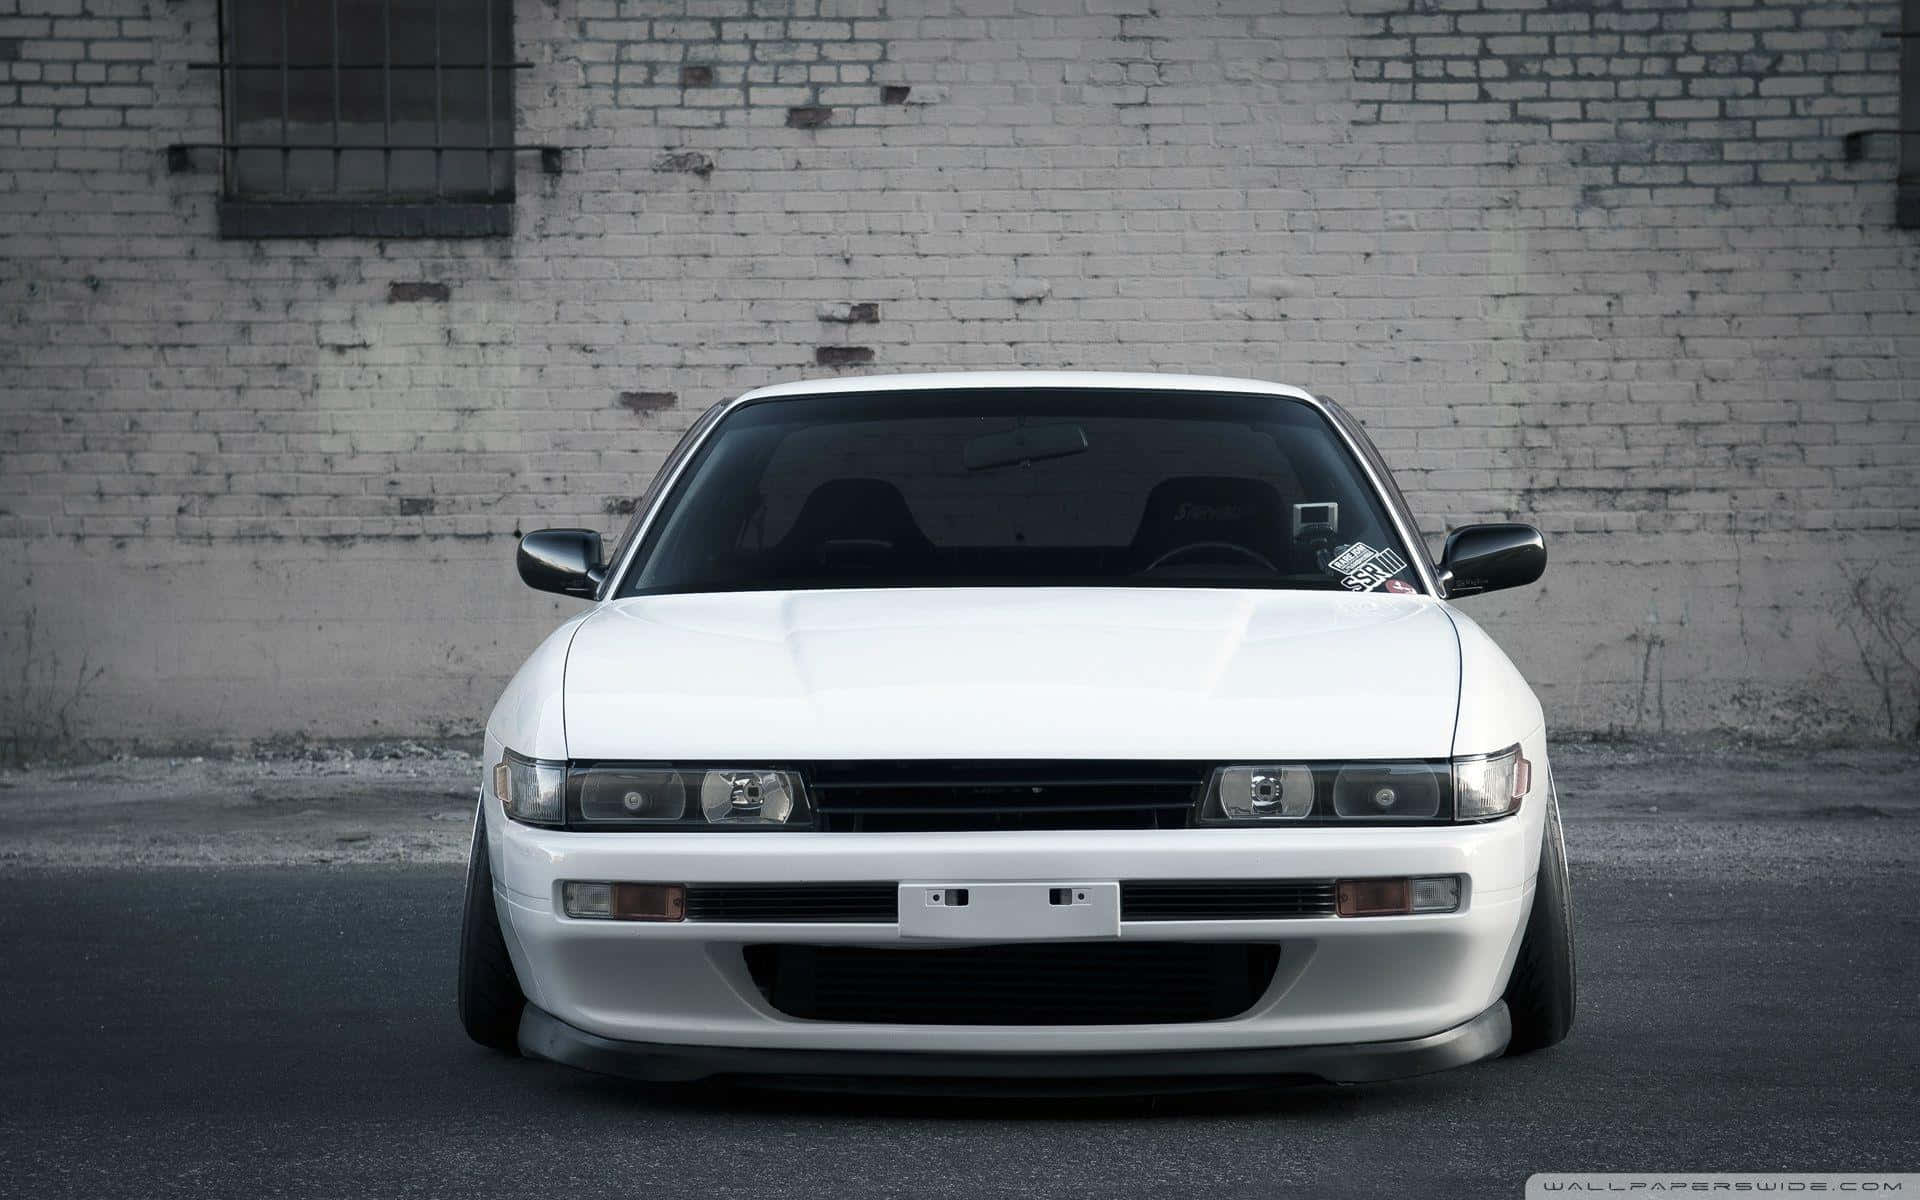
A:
(1031, 983)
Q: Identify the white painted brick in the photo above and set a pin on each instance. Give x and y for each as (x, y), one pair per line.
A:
(1602, 267)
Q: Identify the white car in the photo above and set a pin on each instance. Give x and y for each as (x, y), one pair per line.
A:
(1056, 730)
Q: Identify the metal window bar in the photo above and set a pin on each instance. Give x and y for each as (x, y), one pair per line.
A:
(333, 19)
(229, 93)
(486, 19)
(286, 55)
(237, 104)
(386, 91)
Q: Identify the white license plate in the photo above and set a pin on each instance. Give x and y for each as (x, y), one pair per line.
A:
(1010, 912)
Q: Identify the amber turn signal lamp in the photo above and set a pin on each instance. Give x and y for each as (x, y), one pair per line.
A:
(649, 902)
(1372, 897)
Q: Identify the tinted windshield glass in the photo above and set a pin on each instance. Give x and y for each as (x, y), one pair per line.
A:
(1021, 488)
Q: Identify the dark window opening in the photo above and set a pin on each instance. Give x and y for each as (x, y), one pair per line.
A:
(1019, 488)
(375, 117)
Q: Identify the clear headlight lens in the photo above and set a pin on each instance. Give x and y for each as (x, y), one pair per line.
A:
(1402, 791)
(752, 797)
(631, 794)
(1275, 793)
(1492, 786)
(531, 790)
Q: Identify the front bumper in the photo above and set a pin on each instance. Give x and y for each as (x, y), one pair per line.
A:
(1341, 982)
(543, 1035)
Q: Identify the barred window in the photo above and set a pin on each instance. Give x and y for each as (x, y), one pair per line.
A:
(367, 117)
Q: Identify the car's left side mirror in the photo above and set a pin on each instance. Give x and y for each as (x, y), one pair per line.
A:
(566, 561)
(1486, 558)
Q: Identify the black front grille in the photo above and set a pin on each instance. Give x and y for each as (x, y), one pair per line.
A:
(1054, 983)
(1224, 899)
(924, 796)
(840, 902)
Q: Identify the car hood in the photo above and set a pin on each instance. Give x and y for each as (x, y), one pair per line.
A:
(1013, 673)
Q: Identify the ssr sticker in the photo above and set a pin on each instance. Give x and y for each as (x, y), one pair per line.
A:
(1362, 568)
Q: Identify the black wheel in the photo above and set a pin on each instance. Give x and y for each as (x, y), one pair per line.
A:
(1540, 994)
(490, 996)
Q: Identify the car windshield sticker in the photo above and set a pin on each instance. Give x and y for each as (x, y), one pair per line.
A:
(1401, 586)
(1350, 558)
(1362, 568)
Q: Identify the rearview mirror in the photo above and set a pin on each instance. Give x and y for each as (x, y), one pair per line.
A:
(1025, 444)
(1486, 558)
(566, 561)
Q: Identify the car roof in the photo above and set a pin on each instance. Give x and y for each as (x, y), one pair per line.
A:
(975, 380)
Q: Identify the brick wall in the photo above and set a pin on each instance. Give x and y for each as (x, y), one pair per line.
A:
(1602, 266)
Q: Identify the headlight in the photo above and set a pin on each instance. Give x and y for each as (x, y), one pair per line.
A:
(690, 798)
(1274, 793)
(1397, 791)
(631, 794)
(1490, 786)
(1465, 789)
(531, 790)
(1327, 792)
(737, 797)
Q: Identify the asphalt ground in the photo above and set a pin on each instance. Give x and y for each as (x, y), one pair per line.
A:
(1750, 1001)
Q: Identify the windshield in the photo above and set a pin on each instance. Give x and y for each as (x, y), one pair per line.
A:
(1022, 488)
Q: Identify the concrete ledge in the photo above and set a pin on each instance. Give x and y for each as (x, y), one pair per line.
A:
(243, 219)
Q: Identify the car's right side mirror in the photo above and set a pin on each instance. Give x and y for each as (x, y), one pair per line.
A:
(1486, 558)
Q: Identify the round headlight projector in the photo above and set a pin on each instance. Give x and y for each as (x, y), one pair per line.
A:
(746, 797)
(1268, 792)
(1383, 798)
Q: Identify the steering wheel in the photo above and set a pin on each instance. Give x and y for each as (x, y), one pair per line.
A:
(1233, 548)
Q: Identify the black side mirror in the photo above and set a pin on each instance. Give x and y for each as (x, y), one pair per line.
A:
(561, 560)
(1486, 558)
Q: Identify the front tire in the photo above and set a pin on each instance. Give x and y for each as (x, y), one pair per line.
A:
(1541, 992)
(490, 997)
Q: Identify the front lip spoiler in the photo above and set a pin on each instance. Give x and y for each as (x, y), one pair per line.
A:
(545, 1036)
